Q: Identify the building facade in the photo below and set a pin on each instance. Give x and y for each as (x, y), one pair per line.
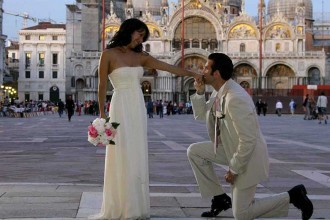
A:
(267, 55)
(42, 62)
(2, 52)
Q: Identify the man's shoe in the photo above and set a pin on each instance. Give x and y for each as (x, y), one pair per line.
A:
(298, 197)
(219, 203)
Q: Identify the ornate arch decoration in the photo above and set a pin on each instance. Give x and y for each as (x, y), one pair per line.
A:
(279, 31)
(280, 70)
(245, 69)
(189, 53)
(316, 67)
(155, 31)
(80, 83)
(95, 71)
(203, 12)
(78, 70)
(110, 31)
(243, 31)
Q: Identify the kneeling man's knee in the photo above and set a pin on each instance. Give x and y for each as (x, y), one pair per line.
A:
(192, 149)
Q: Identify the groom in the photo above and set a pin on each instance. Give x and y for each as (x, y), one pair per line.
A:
(236, 141)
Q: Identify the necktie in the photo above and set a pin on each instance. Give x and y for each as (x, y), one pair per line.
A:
(216, 124)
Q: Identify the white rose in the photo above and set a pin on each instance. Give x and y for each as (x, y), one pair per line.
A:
(99, 125)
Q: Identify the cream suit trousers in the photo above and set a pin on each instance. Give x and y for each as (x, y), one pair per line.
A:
(245, 207)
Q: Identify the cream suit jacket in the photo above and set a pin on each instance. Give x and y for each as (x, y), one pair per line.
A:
(240, 137)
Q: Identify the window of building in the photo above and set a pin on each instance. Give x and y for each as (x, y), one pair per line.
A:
(27, 37)
(196, 28)
(42, 37)
(27, 74)
(27, 96)
(73, 81)
(41, 74)
(41, 59)
(40, 96)
(213, 44)
(13, 56)
(54, 37)
(195, 43)
(242, 47)
(54, 74)
(27, 59)
(278, 47)
(148, 48)
(55, 58)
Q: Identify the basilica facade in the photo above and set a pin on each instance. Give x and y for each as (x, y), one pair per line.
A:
(270, 54)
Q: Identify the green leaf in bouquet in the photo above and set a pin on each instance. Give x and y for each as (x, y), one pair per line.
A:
(111, 142)
(107, 119)
(115, 125)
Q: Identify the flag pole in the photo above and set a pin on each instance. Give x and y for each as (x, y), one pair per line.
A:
(103, 24)
(182, 35)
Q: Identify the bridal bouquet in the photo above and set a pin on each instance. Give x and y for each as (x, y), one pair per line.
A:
(102, 132)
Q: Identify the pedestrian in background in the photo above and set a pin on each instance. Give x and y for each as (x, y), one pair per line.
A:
(292, 106)
(259, 106)
(60, 107)
(322, 102)
(307, 107)
(69, 104)
(264, 107)
(279, 107)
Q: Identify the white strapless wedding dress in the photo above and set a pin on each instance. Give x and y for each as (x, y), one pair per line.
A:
(126, 175)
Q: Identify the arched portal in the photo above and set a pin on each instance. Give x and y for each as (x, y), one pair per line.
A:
(196, 28)
(146, 90)
(245, 75)
(54, 94)
(278, 76)
(314, 76)
(80, 84)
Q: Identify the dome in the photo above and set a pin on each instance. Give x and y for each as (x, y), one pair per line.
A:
(288, 8)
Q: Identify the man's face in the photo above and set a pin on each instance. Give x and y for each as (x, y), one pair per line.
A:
(207, 72)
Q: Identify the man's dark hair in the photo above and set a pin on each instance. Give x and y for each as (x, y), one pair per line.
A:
(322, 93)
(222, 63)
(124, 35)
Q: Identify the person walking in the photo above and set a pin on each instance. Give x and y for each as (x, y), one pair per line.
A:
(161, 109)
(259, 106)
(126, 175)
(307, 107)
(69, 105)
(292, 106)
(237, 142)
(322, 102)
(278, 107)
(264, 108)
(60, 107)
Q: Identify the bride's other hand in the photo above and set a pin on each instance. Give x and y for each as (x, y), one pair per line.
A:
(199, 85)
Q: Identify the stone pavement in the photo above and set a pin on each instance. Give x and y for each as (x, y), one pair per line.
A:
(49, 171)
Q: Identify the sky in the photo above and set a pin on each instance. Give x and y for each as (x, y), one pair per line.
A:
(56, 10)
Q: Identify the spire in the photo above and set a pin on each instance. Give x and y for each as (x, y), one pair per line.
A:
(164, 3)
(129, 4)
(243, 7)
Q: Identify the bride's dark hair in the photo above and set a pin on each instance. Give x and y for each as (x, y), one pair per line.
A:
(124, 35)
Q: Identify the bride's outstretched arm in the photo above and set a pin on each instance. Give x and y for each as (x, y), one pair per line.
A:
(103, 70)
(151, 62)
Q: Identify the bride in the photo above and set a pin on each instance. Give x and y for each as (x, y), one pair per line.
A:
(126, 176)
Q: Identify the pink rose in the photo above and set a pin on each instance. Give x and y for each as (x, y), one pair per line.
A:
(92, 131)
(108, 132)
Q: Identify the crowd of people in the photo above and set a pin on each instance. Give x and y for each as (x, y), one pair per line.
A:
(168, 107)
